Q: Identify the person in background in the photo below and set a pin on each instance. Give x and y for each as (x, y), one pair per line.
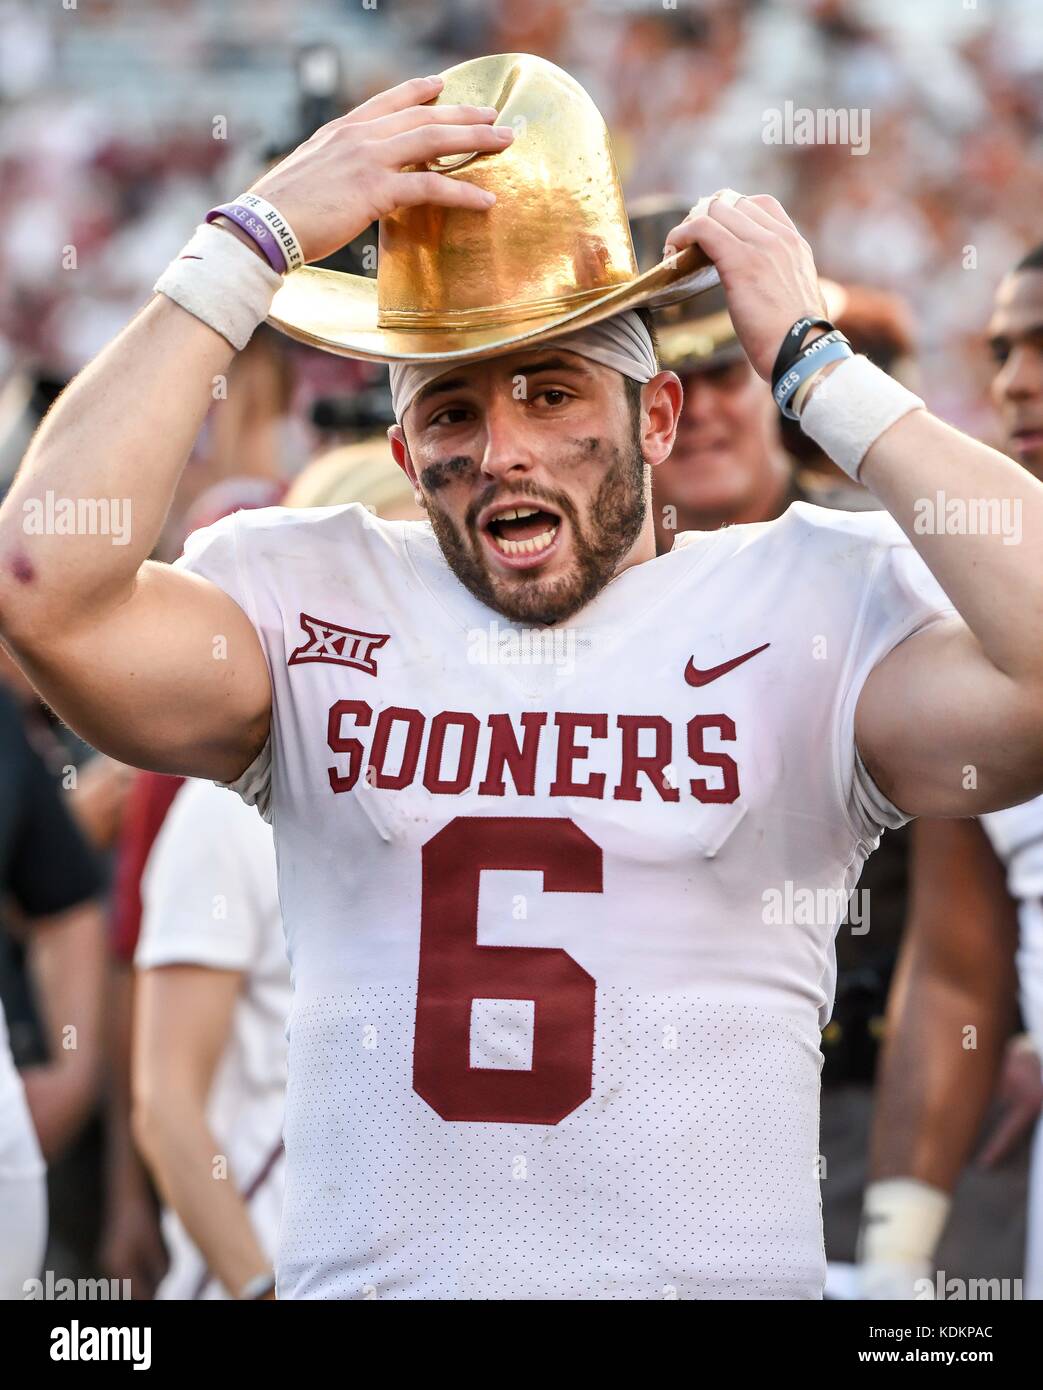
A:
(97, 786)
(251, 436)
(977, 911)
(356, 472)
(209, 1067)
(213, 991)
(49, 880)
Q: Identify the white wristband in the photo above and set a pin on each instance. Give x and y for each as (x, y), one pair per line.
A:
(260, 1286)
(850, 408)
(217, 278)
(902, 1221)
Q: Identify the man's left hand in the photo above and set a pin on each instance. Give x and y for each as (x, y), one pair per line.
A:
(766, 267)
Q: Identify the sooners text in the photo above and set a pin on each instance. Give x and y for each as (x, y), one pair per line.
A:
(442, 753)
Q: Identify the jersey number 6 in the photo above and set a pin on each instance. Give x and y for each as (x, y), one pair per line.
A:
(454, 970)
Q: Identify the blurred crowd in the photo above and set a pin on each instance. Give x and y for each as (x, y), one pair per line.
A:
(122, 121)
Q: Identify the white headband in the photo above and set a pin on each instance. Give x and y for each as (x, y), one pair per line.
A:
(621, 342)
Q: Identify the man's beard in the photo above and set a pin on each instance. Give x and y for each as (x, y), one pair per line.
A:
(614, 522)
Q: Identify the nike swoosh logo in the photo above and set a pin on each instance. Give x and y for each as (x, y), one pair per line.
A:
(696, 677)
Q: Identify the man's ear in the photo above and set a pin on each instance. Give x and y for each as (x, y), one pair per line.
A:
(661, 401)
(400, 453)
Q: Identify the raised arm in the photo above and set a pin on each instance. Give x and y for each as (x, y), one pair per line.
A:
(950, 723)
(125, 649)
(121, 647)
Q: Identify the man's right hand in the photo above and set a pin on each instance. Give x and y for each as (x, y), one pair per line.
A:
(350, 172)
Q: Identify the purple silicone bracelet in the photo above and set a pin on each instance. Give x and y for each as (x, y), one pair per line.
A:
(254, 228)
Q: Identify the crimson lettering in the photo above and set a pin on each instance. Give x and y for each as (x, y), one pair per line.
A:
(414, 721)
(344, 781)
(504, 752)
(701, 790)
(569, 752)
(653, 767)
(433, 780)
(639, 753)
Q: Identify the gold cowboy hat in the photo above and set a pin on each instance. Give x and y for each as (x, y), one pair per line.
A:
(699, 335)
(552, 255)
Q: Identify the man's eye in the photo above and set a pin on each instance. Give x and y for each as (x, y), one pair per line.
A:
(451, 415)
(999, 352)
(553, 396)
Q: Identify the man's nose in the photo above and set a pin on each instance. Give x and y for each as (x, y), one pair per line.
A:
(508, 452)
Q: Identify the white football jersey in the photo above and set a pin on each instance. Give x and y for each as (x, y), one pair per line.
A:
(560, 905)
(23, 1182)
(1016, 835)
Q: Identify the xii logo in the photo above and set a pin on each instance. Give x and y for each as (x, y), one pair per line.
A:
(341, 646)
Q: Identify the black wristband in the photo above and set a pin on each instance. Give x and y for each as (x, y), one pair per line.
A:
(792, 345)
(832, 346)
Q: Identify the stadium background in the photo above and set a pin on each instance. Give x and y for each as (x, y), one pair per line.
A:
(121, 121)
(108, 111)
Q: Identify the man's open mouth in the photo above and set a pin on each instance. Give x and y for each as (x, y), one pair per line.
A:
(521, 531)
